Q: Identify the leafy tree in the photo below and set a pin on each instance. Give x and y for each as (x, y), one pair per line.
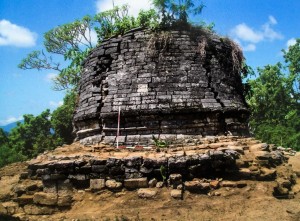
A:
(184, 8)
(274, 101)
(3, 137)
(148, 19)
(73, 41)
(33, 136)
(174, 13)
(113, 22)
(163, 7)
(292, 58)
(61, 119)
(9, 155)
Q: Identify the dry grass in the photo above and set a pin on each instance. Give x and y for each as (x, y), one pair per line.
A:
(236, 54)
(158, 43)
(202, 48)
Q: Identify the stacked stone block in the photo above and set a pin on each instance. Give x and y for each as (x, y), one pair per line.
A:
(163, 84)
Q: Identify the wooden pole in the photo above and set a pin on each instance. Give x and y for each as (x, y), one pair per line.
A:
(118, 130)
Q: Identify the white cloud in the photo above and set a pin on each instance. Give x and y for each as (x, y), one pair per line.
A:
(9, 120)
(244, 33)
(14, 35)
(272, 20)
(134, 6)
(50, 77)
(55, 104)
(250, 36)
(268, 32)
(249, 47)
(291, 42)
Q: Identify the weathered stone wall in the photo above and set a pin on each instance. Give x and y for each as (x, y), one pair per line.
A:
(167, 83)
(67, 177)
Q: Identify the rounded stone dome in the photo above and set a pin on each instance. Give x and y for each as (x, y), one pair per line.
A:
(168, 84)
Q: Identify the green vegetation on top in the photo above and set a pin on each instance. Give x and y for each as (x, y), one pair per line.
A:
(73, 40)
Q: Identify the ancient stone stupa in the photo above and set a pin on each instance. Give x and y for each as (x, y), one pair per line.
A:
(177, 86)
(171, 85)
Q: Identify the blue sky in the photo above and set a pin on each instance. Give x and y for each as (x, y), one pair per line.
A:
(262, 28)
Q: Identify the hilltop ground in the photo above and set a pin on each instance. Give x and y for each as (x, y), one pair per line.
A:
(253, 202)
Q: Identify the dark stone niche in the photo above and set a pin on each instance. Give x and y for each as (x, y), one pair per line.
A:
(168, 84)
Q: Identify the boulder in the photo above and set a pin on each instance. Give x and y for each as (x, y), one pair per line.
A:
(49, 186)
(147, 193)
(159, 184)
(113, 185)
(3, 210)
(177, 194)
(38, 210)
(175, 180)
(179, 187)
(226, 183)
(197, 186)
(136, 183)
(97, 184)
(246, 173)
(267, 174)
(64, 187)
(214, 184)
(10, 207)
(152, 183)
(48, 199)
(64, 200)
(259, 147)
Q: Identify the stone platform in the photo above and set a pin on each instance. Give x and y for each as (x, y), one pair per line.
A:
(213, 163)
(202, 168)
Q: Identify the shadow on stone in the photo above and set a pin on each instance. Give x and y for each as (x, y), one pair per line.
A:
(8, 218)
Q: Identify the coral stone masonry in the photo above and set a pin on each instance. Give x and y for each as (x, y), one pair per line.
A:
(167, 84)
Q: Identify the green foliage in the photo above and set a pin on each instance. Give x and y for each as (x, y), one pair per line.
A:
(113, 22)
(38, 60)
(163, 6)
(33, 136)
(117, 21)
(176, 13)
(70, 36)
(292, 58)
(3, 137)
(61, 119)
(73, 42)
(9, 155)
(281, 135)
(159, 143)
(38, 133)
(183, 8)
(274, 101)
(163, 173)
(148, 19)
